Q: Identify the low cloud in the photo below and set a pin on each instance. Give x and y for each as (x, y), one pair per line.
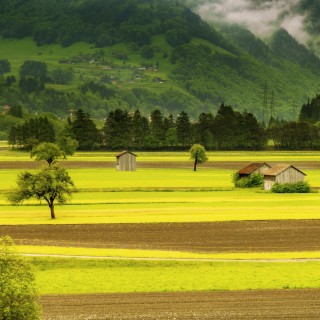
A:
(262, 17)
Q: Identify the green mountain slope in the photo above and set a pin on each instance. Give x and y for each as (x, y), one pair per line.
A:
(142, 54)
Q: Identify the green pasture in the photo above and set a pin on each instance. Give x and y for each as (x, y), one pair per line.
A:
(76, 276)
(17, 51)
(98, 179)
(154, 207)
(95, 179)
(160, 195)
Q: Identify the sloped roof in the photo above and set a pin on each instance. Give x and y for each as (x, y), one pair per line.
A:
(124, 152)
(252, 167)
(277, 169)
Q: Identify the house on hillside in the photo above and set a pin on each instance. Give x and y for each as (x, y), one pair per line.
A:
(282, 173)
(126, 161)
(254, 167)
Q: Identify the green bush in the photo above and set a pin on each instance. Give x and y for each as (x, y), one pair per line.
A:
(252, 181)
(299, 187)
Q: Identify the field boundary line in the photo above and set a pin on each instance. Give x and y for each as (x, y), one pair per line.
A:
(285, 260)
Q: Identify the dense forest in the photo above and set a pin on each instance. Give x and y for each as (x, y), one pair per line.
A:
(227, 130)
(140, 54)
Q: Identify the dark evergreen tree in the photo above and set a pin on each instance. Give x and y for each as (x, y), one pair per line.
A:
(35, 69)
(32, 132)
(16, 111)
(140, 130)
(183, 126)
(224, 128)
(311, 110)
(204, 130)
(117, 130)
(85, 131)
(4, 66)
(295, 135)
(157, 128)
(168, 122)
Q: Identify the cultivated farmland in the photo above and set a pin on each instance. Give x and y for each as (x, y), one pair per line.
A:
(165, 242)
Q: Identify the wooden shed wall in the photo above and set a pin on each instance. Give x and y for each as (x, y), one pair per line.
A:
(269, 181)
(289, 175)
(126, 162)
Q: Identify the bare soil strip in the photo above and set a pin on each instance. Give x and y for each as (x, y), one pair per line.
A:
(266, 304)
(69, 164)
(237, 236)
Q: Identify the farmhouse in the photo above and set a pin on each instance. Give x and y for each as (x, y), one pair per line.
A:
(254, 167)
(126, 161)
(282, 174)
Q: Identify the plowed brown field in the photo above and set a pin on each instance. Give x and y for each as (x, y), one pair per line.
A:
(238, 236)
(235, 305)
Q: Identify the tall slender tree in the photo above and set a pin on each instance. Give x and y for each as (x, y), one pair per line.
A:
(85, 130)
(183, 126)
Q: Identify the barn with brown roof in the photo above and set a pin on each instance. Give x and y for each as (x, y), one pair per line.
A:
(254, 167)
(282, 173)
(126, 161)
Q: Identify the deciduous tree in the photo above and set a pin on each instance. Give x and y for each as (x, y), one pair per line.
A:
(198, 154)
(50, 184)
(18, 295)
(48, 151)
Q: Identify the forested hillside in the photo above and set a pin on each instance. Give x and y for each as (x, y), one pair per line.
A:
(99, 55)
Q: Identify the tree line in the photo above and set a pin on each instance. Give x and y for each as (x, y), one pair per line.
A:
(227, 130)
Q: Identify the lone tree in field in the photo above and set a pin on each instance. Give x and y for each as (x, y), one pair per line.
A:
(50, 184)
(198, 154)
(67, 145)
(18, 296)
(49, 152)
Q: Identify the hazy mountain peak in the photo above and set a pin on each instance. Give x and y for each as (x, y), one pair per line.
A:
(264, 17)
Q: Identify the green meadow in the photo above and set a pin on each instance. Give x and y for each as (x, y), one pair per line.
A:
(160, 195)
(166, 195)
(143, 207)
(76, 276)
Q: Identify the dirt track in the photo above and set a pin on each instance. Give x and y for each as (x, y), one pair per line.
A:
(246, 305)
(238, 236)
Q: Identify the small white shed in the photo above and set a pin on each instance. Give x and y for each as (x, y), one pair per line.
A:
(126, 161)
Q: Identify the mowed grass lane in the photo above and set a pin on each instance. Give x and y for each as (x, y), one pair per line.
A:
(76, 276)
(142, 207)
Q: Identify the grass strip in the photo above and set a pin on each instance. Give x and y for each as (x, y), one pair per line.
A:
(76, 276)
(136, 253)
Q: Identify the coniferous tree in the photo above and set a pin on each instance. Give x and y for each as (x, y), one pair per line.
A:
(85, 131)
(140, 130)
(157, 128)
(16, 111)
(117, 129)
(32, 132)
(204, 129)
(183, 126)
